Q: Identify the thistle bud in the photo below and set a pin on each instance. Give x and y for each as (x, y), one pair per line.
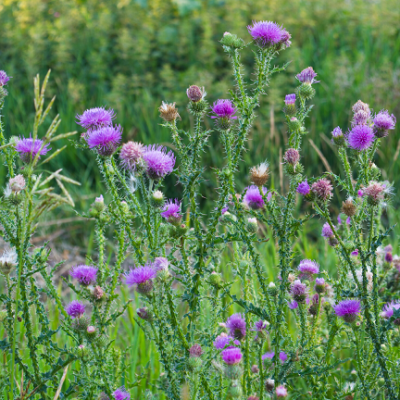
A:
(255, 369)
(272, 289)
(216, 280)
(292, 156)
(228, 218)
(320, 285)
(91, 332)
(252, 225)
(98, 293)
(232, 40)
(349, 208)
(144, 314)
(195, 94)
(294, 124)
(338, 137)
(17, 184)
(98, 204)
(290, 105)
(235, 390)
(82, 351)
(80, 323)
(157, 199)
(125, 207)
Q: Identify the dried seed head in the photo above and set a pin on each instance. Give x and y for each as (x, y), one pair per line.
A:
(17, 184)
(168, 112)
(259, 174)
(349, 208)
(269, 385)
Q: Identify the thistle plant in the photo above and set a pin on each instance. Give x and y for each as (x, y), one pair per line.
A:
(286, 337)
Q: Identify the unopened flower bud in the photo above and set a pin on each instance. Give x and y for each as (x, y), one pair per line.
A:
(91, 333)
(255, 369)
(235, 390)
(338, 137)
(8, 261)
(228, 218)
(99, 203)
(82, 351)
(320, 285)
(80, 323)
(290, 105)
(157, 199)
(231, 40)
(144, 313)
(125, 208)
(98, 293)
(272, 289)
(195, 94)
(294, 124)
(216, 280)
(252, 225)
(292, 156)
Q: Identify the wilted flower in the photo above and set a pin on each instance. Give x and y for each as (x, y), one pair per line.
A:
(160, 264)
(17, 184)
(375, 192)
(292, 156)
(105, 139)
(131, 154)
(195, 351)
(159, 162)
(95, 118)
(121, 394)
(360, 118)
(168, 112)
(85, 274)
(28, 148)
(322, 189)
(259, 174)
(348, 310)
(360, 106)
(236, 326)
(253, 198)
(75, 309)
(349, 208)
(142, 278)
(231, 356)
(360, 137)
(172, 212)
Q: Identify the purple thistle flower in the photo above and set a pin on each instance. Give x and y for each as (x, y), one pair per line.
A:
(4, 78)
(298, 291)
(237, 326)
(121, 394)
(348, 310)
(290, 99)
(267, 34)
(308, 268)
(388, 309)
(159, 162)
(383, 120)
(307, 76)
(360, 137)
(105, 139)
(142, 278)
(223, 108)
(160, 264)
(293, 305)
(327, 231)
(195, 351)
(85, 274)
(253, 198)
(96, 118)
(281, 391)
(28, 148)
(75, 309)
(354, 253)
(337, 133)
(231, 356)
(320, 285)
(261, 328)
(361, 117)
(270, 354)
(172, 212)
(222, 341)
(131, 154)
(303, 188)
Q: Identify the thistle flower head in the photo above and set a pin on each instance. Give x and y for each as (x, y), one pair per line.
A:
(142, 278)
(337, 133)
(348, 310)
(4, 78)
(131, 154)
(375, 192)
(360, 137)
(290, 99)
(231, 356)
(195, 350)
(268, 34)
(28, 148)
(308, 267)
(307, 76)
(292, 156)
(327, 231)
(95, 118)
(270, 355)
(17, 184)
(195, 94)
(168, 112)
(303, 188)
(105, 139)
(222, 341)
(259, 174)
(320, 285)
(160, 264)
(121, 394)
(85, 274)
(298, 291)
(223, 108)
(281, 391)
(322, 189)
(384, 120)
(159, 162)
(388, 309)
(75, 309)
(253, 199)
(360, 106)
(236, 326)
(349, 208)
(172, 212)
(360, 118)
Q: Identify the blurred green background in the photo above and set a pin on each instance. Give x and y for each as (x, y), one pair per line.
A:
(132, 54)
